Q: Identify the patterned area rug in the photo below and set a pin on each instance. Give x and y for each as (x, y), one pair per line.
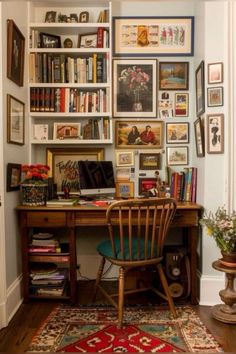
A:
(146, 329)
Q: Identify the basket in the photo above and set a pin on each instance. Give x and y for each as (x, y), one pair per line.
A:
(33, 194)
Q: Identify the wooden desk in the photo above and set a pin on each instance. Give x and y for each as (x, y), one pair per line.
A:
(186, 217)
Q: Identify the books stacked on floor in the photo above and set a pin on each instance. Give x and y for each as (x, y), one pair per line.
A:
(44, 242)
(47, 279)
(183, 184)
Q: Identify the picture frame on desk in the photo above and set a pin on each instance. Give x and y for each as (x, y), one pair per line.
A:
(200, 89)
(215, 133)
(177, 133)
(134, 88)
(199, 137)
(146, 184)
(13, 177)
(124, 189)
(63, 163)
(149, 161)
(15, 121)
(15, 53)
(173, 75)
(153, 36)
(49, 40)
(177, 155)
(87, 40)
(66, 131)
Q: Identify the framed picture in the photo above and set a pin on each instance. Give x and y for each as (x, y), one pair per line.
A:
(215, 133)
(153, 36)
(200, 89)
(177, 133)
(151, 161)
(88, 40)
(177, 155)
(40, 132)
(66, 130)
(199, 137)
(145, 184)
(13, 176)
(83, 16)
(15, 121)
(165, 113)
(124, 189)
(124, 158)
(181, 104)
(49, 40)
(215, 73)
(173, 75)
(214, 96)
(63, 163)
(15, 53)
(134, 88)
(50, 16)
(139, 134)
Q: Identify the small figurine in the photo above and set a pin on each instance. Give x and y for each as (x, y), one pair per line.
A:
(68, 43)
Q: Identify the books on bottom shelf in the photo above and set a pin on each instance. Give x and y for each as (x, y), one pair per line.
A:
(48, 284)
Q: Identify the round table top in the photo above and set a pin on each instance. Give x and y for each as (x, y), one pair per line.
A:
(223, 268)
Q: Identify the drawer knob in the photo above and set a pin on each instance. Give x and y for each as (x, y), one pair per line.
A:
(46, 219)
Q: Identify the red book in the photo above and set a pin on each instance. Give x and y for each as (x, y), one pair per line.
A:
(63, 99)
(100, 37)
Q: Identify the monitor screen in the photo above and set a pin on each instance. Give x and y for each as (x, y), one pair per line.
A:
(96, 177)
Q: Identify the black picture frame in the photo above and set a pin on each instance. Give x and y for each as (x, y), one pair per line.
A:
(13, 177)
(15, 53)
(199, 137)
(49, 40)
(200, 89)
(150, 161)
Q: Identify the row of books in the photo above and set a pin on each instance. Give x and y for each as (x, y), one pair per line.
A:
(103, 16)
(44, 242)
(183, 184)
(49, 68)
(45, 99)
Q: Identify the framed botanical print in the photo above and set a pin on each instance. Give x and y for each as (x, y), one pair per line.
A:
(199, 137)
(134, 88)
(173, 75)
(177, 133)
(200, 89)
(215, 133)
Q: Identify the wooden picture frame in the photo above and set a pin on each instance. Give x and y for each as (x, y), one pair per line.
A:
(153, 36)
(200, 89)
(199, 137)
(215, 133)
(140, 134)
(87, 40)
(124, 158)
(124, 189)
(181, 104)
(215, 96)
(177, 155)
(48, 40)
(84, 17)
(150, 161)
(15, 53)
(50, 16)
(215, 73)
(15, 121)
(173, 75)
(146, 184)
(13, 177)
(177, 133)
(63, 163)
(66, 131)
(134, 88)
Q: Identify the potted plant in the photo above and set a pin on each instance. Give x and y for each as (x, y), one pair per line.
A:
(222, 227)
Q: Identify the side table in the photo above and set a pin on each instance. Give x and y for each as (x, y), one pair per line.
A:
(226, 312)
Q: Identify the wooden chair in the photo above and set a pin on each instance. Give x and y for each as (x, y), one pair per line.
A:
(142, 225)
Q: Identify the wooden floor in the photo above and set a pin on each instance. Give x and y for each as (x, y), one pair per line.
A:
(17, 336)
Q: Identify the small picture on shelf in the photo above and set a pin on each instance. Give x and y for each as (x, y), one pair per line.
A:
(88, 40)
(40, 132)
(66, 130)
(50, 16)
(84, 16)
(74, 18)
(50, 41)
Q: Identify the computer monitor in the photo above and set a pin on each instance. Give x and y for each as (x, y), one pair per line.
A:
(96, 178)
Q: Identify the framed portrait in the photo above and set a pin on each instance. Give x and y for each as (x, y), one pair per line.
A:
(215, 133)
(84, 16)
(139, 134)
(181, 104)
(124, 158)
(215, 73)
(49, 40)
(88, 40)
(153, 36)
(15, 121)
(177, 133)
(199, 137)
(124, 189)
(134, 88)
(200, 89)
(177, 155)
(173, 75)
(145, 184)
(215, 96)
(149, 161)
(15, 53)
(66, 131)
(63, 163)
(50, 16)
(13, 177)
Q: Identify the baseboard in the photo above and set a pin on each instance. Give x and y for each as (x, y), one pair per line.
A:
(14, 298)
(209, 289)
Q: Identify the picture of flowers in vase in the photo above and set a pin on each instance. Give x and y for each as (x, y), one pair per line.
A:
(134, 88)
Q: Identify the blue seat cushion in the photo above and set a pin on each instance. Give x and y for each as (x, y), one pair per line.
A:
(105, 249)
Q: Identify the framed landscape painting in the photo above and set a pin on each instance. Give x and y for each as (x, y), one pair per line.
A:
(173, 75)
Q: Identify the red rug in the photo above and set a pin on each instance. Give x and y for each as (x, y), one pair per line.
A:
(150, 329)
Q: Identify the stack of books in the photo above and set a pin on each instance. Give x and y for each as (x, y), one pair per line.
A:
(183, 184)
(44, 242)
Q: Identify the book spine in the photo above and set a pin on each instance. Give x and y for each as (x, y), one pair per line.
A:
(100, 38)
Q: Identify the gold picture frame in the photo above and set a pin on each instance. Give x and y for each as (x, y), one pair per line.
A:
(124, 189)
(63, 164)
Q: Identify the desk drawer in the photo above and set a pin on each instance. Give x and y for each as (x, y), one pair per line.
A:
(46, 219)
(91, 217)
(185, 218)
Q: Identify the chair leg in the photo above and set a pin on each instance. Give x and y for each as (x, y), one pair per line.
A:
(166, 289)
(121, 296)
(99, 276)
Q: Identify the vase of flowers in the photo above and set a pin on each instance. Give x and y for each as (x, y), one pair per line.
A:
(135, 81)
(222, 227)
(34, 184)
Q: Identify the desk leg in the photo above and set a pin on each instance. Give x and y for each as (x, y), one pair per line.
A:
(73, 262)
(192, 238)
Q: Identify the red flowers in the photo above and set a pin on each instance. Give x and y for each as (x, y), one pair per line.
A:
(34, 173)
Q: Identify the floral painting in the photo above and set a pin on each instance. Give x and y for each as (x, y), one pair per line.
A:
(134, 88)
